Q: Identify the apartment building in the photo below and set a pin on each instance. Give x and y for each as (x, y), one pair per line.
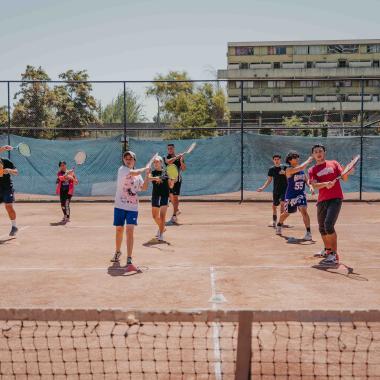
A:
(319, 80)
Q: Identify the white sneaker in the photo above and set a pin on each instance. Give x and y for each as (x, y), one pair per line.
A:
(308, 236)
(173, 219)
(160, 237)
(157, 234)
(278, 230)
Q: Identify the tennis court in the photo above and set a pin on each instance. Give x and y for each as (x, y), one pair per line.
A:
(221, 256)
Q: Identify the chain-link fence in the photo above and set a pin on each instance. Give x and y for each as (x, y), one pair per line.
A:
(238, 126)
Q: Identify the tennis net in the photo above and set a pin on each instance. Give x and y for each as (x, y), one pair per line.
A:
(113, 344)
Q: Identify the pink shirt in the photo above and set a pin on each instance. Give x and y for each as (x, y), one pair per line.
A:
(328, 171)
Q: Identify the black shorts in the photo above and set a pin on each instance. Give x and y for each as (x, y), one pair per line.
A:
(64, 196)
(7, 196)
(176, 190)
(278, 197)
(159, 200)
(327, 213)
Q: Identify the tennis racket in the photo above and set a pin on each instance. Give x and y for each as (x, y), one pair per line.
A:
(149, 163)
(23, 149)
(79, 158)
(190, 148)
(349, 166)
(172, 171)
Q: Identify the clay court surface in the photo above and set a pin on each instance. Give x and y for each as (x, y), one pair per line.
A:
(219, 249)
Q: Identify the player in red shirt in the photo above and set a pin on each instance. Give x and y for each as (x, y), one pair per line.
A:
(323, 176)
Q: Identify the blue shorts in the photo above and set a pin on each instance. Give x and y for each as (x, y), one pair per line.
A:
(7, 196)
(291, 205)
(120, 217)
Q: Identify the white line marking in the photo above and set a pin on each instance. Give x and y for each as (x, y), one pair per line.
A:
(215, 330)
(189, 267)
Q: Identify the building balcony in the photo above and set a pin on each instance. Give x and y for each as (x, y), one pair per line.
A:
(299, 73)
(373, 106)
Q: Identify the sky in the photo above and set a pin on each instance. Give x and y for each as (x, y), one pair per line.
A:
(135, 40)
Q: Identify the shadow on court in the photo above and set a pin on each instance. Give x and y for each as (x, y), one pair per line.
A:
(154, 242)
(293, 240)
(56, 224)
(7, 240)
(341, 270)
(116, 270)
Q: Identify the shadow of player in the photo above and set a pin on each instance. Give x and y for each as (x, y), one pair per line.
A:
(154, 242)
(116, 270)
(56, 224)
(293, 240)
(341, 270)
(6, 240)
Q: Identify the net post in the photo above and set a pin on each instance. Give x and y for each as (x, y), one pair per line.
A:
(241, 143)
(361, 139)
(9, 117)
(244, 346)
(125, 116)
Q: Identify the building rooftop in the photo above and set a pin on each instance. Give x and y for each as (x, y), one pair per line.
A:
(305, 42)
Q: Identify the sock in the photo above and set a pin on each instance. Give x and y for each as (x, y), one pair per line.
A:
(279, 224)
(274, 218)
(328, 249)
(13, 223)
(129, 260)
(308, 229)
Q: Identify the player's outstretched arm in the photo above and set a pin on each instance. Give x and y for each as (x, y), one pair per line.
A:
(266, 184)
(296, 169)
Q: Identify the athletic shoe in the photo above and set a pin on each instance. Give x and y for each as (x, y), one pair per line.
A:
(160, 237)
(116, 257)
(278, 230)
(157, 234)
(308, 236)
(322, 253)
(272, 223)
(14, 231)
(331, 259)
(174, 219)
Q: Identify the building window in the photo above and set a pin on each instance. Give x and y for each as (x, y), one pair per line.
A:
(343, 83)
(373, 83)
(301, 50)
(276, 83)
(309, 83)
(373, 48)
(342, 49)
(244, 50)
(244, 65)
(317, 49)
(276, 50)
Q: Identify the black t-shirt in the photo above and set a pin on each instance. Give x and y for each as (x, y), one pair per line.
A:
(65, 185)
(280, 181)
(6, 180)
(161, 188)
(177, 163)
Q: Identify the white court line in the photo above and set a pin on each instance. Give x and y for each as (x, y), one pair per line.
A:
(19, 230)
(215, 330)
(166, 268)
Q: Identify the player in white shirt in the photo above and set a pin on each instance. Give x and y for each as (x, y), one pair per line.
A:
(129, 183)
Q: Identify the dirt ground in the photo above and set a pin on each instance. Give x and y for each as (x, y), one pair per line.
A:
(221, 255)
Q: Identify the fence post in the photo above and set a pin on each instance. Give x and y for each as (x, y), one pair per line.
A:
(244, 346)
(125, 117)
(9, 118)
(241, 143)
(361, 139)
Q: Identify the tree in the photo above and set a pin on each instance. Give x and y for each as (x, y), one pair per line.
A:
(187, 106)
(114, 112)
(34, 108)
(3, 116)
(292, 122)
(74, 104)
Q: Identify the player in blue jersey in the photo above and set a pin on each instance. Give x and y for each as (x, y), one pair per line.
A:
(295, 197)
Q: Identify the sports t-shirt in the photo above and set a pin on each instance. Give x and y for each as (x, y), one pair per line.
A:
(280, 181)
(296, 185)
(127, 187)
(6, 180)
(64, 184)
(325, 172)
(177, 163)
(161, 188)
